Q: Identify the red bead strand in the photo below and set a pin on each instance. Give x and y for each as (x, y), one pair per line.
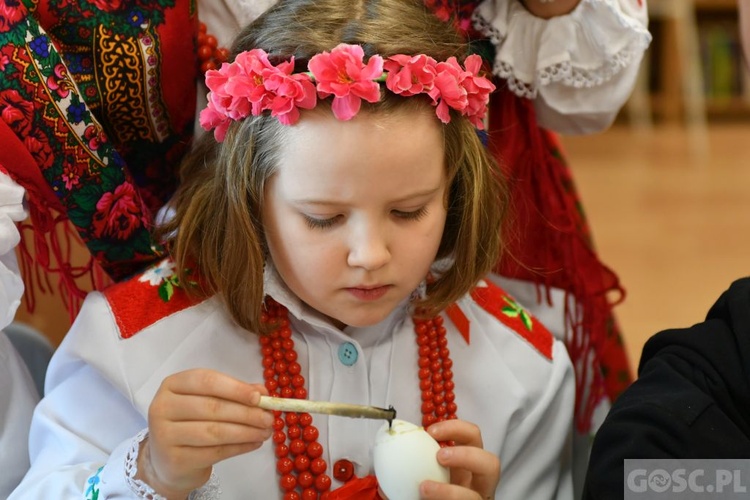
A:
(299, 464)
(301, 468)
(435, 372)
(210, 55)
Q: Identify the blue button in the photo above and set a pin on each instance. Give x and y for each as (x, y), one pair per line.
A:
(348, 353)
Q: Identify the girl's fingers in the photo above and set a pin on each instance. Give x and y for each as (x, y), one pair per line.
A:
(477, 461)
(211, 433)
(203, 382)
(190, 408)
(458, 431)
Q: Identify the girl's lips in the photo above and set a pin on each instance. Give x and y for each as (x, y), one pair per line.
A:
(369, 293)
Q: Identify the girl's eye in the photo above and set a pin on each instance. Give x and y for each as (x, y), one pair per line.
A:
(314, 223)
(415, 215)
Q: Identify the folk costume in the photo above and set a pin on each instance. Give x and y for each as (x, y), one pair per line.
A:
(508, 375)
(97, 101)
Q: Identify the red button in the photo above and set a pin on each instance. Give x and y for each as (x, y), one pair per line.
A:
(343, 470)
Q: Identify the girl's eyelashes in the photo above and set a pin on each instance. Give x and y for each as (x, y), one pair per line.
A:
(413, 215)
(317, 223)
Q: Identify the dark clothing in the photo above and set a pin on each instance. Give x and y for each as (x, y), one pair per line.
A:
(691, 398)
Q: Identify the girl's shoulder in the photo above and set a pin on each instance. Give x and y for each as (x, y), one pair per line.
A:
(148, 297)
(491, 311)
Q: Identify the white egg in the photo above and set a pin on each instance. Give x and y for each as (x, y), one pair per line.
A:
(404, 455)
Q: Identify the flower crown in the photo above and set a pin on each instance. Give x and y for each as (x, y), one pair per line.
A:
(251, 84)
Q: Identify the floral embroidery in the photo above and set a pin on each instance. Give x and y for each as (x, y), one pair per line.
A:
(92, 493)
(514, 310)
(162, 272)
(163, 276)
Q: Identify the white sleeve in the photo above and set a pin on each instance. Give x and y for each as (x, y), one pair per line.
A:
(84, 422)
(18, 396)
(85, 432)
(579, 68)
(11, 211)
(536, 460)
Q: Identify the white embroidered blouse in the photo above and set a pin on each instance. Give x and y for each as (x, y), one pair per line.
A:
(100, 385)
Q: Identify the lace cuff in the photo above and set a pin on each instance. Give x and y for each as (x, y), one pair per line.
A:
(209, 491)
(582, 49)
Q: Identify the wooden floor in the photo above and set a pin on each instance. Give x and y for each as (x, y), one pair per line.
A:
(670, 213)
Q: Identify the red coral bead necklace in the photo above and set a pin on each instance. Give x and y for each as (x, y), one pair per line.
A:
(300, 465)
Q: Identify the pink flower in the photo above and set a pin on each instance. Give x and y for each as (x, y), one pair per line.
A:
(448, 91)
(408, 76)
(4, 60)
(478, 89)
(343, 73)
(244, 83)
(252, 85)
(289, 92)
(211, 119)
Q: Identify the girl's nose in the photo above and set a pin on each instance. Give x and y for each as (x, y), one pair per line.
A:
(369, 249)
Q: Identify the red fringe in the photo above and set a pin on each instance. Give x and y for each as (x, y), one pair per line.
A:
(51, 259)
(549, 244)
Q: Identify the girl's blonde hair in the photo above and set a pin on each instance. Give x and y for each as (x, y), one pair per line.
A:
(217, 229)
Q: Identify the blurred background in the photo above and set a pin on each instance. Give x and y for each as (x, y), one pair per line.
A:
(666, 189)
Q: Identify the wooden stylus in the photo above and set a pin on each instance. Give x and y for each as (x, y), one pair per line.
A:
(325, 407)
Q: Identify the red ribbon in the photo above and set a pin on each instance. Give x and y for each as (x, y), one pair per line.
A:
(358, 488)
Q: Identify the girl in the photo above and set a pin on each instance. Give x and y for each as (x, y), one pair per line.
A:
(329, 242)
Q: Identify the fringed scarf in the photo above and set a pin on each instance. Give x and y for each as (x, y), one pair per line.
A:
(97, 102)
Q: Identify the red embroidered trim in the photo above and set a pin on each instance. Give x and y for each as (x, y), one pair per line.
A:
(498, 303)
(139, 302)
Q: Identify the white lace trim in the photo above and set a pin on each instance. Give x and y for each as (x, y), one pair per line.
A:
(209, 491)
(567, 72)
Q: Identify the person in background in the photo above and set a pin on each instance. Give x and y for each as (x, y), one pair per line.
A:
(692, 396)
(18, 395)
(343, 204)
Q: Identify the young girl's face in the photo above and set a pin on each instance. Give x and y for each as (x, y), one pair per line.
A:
(355, 213)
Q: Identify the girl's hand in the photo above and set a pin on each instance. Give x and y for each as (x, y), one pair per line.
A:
(198, 418)
(475, 472)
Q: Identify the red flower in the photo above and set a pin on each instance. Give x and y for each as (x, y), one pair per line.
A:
(117, 214)
(60, 81)
(11, 13)
(70, 176)
(3, 61)
(95, 136)
(38, 146)
(16, 111)
(343, 73)
(107, 5)
(409, 75)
